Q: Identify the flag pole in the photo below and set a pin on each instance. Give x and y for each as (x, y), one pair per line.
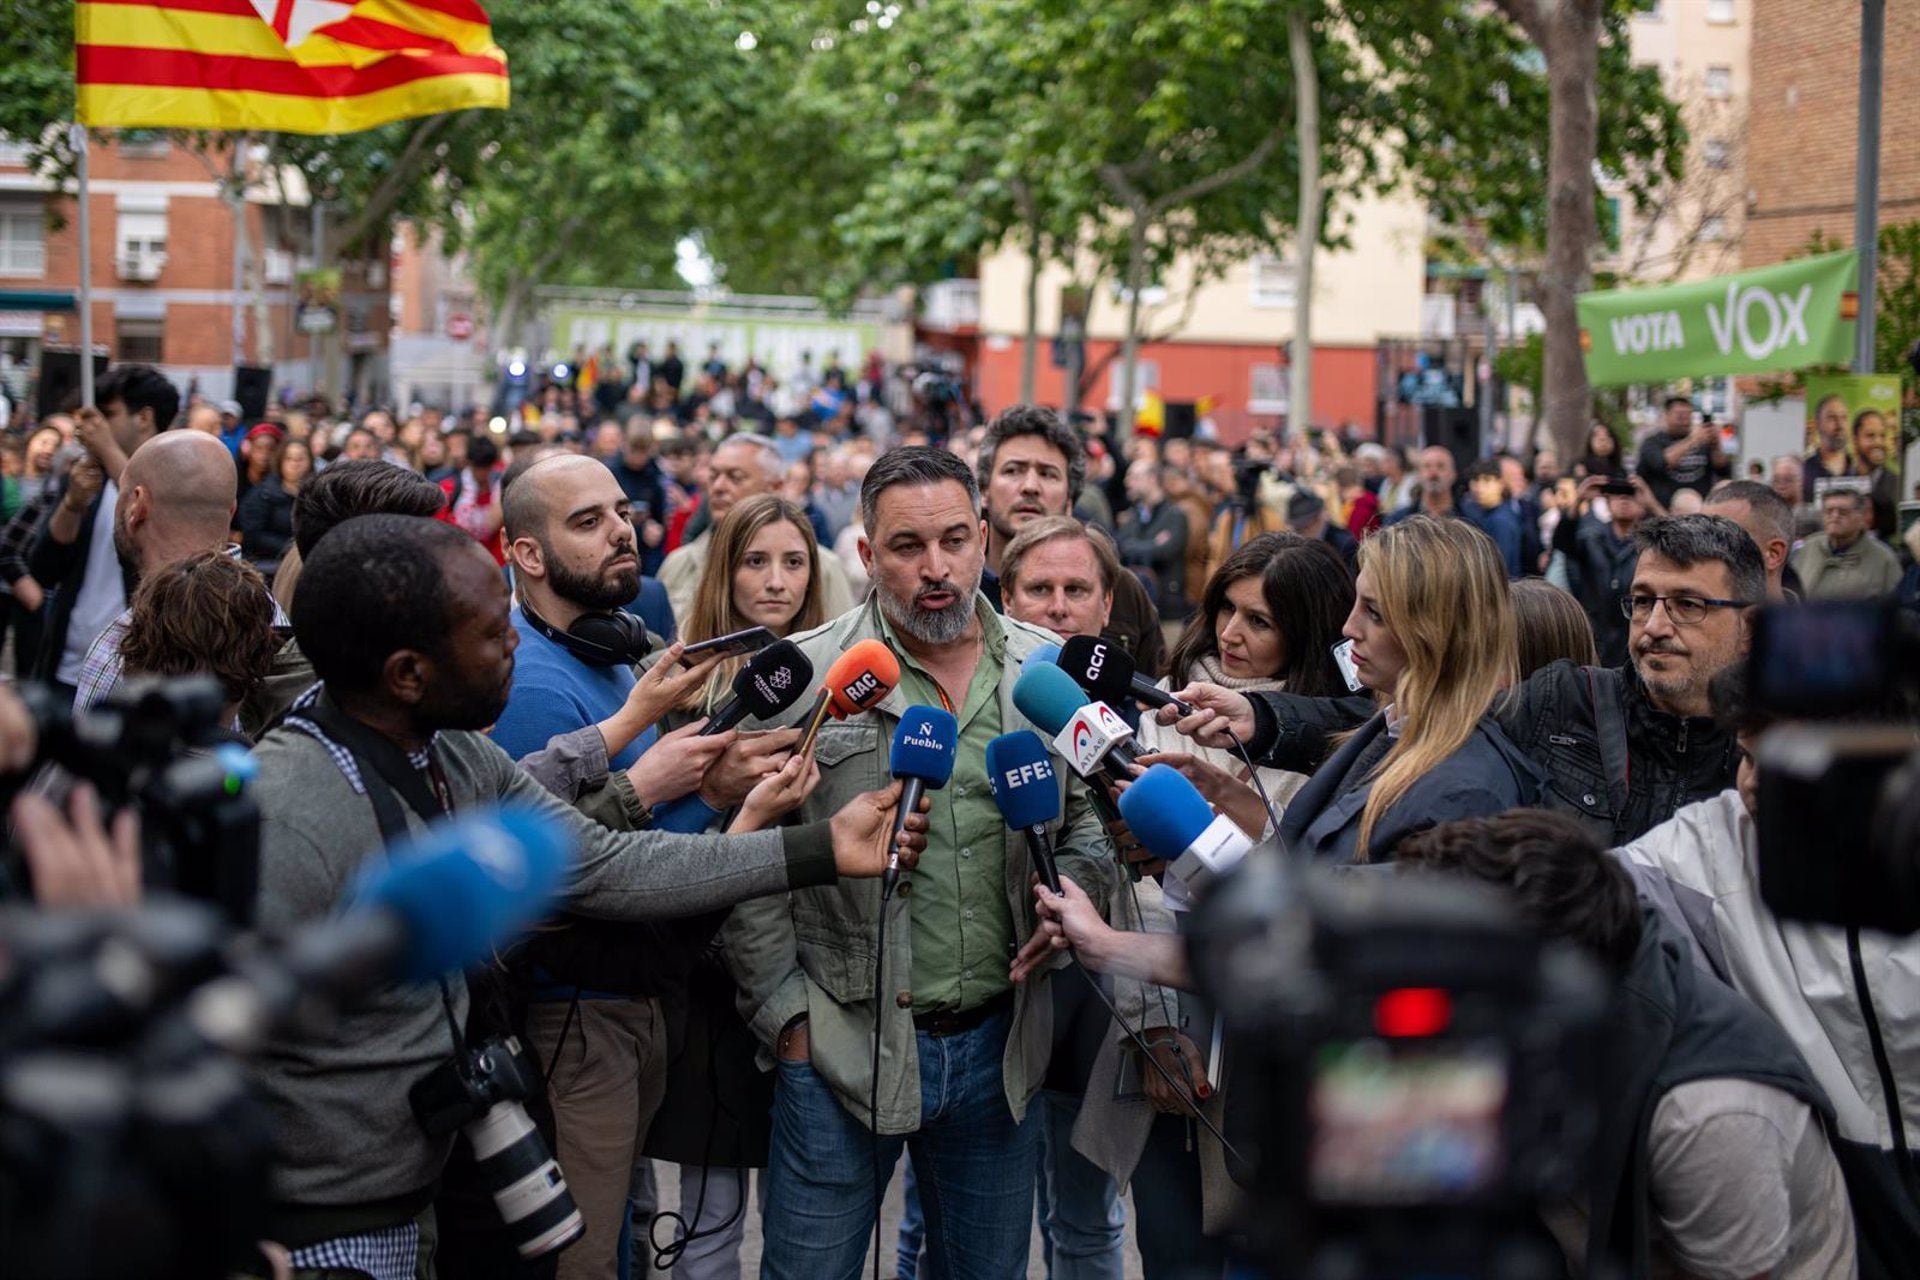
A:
(84, 229)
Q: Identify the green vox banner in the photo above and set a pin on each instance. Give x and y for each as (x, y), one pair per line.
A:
(1786, 316)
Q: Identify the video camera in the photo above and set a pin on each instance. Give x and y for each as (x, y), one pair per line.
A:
(1839, 792)
(160, 746)
(1413, 1074)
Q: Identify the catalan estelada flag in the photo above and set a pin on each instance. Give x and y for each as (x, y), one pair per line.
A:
(295, 66)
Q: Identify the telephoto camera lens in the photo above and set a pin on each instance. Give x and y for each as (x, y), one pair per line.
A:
(524, 1180)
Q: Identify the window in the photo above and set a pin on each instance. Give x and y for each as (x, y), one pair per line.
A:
(1270, 389)
(143, 144)
(1719, 83)
(1714, 152)
(1720, 11)
(140, 237)
(1713, 230)
(136, 340)
(1274, 282)
(23, 238)
(1146, 377)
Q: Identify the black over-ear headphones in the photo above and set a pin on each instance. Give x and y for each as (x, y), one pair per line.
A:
(604, 639)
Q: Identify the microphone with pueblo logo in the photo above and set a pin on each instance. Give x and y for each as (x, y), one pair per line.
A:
(1175, 823)
(1091, 736)
(923, 750)
(1024, 786)
(859, 680)
(772, 681)
(1106, 672)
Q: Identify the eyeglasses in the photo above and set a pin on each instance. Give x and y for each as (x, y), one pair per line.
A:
(1684, 611)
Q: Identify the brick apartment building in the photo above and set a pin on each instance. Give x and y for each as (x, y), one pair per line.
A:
(1804, 120)
(164, 274)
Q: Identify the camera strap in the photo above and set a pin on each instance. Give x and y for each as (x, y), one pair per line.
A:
(384, 770)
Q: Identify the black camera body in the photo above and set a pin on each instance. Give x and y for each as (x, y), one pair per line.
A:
(1414, 1069)
(465, 1087)
(478, 1092)
(1839, 793)
(159, 746)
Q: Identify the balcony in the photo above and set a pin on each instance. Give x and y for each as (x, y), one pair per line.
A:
(141, 266)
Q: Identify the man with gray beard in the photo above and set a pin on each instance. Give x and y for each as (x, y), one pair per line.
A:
(962, 1051)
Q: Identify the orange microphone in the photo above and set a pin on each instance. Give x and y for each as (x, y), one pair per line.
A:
(858, 680)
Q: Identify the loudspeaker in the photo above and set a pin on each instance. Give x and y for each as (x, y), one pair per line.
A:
(60, 380)
(251, 386)
(1457, 430)
(1179, 420)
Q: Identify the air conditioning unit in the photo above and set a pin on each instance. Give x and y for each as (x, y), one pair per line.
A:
(141, 265)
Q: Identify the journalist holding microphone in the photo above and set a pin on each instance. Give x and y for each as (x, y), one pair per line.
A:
(961, 1052)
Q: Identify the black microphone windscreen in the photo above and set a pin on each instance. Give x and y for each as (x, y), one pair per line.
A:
(1099, 666)
(773, 680)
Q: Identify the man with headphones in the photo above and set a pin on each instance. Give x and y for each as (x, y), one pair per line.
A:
(594, 989)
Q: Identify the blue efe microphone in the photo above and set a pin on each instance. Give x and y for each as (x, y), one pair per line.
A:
(1020, 769)
(924, 746)
(1174, 822)
(444, 900)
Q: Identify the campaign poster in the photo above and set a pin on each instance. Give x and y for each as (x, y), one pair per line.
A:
(1853, 435)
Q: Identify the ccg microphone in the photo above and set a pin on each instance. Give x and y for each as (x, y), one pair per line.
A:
(923, 749)
(859, 679)
(1024, 786)
(1090, 735)
(1107, 673)
(770, 682)
(1174, 822)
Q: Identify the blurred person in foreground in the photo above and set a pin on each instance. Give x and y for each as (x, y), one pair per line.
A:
(1846, 997)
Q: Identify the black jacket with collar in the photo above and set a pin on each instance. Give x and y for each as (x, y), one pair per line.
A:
(60, 567)
(1569, 719)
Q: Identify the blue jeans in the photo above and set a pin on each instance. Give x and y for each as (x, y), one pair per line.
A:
(913, 1230)
(971, 1162)
(1084, 1224)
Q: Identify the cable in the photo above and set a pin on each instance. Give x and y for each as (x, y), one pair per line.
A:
(873, 1102)
(666, 1256)
(1253, 771)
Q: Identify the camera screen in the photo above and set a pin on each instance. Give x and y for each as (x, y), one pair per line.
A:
(1822, 659)
(1399, 1123)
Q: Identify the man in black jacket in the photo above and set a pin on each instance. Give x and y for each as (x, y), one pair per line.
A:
(1623, 747)
(73, 553)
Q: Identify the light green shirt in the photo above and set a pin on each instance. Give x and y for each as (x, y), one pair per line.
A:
(963, 934)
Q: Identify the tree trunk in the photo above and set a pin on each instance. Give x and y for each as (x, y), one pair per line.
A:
(1030, 348)
(1572, 49)
(1307, 234)
(1130, 344)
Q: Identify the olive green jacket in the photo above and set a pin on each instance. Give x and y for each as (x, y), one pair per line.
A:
(812, 952)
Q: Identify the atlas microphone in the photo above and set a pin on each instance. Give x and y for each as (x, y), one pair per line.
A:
(1175, 823)
(1091, 736)
(1106, 672)
(771, 681)
(859, 679)
(922, 757)
(1024, 786)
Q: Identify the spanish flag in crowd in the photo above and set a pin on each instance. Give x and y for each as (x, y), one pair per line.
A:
(294, 66)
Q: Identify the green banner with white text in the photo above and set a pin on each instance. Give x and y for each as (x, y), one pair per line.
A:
(1787, 316)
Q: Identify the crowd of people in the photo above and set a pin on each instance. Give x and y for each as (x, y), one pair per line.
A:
(1529, 673)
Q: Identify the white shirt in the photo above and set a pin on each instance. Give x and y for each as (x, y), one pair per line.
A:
(102, 594)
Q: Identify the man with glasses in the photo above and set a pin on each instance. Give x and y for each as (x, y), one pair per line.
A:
(1624, 747)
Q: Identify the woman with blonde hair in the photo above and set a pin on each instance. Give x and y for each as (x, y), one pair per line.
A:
(763, 571)
(1434, 639)
(1550, 625)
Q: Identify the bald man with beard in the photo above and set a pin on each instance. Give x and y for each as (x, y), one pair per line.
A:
(176, 500)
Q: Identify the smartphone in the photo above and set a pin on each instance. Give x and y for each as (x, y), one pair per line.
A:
(1343, 658)
(752, 640)
(1619, 489)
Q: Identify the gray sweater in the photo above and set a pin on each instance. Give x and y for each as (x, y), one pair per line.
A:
(346, 1133)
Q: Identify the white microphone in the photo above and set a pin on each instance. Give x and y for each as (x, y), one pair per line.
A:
(1174, 822)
